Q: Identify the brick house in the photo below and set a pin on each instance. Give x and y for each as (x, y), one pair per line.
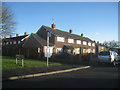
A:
(13, 45)
(60, 41)
(34, 45)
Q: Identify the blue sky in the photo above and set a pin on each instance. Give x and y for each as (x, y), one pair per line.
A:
(96, 20)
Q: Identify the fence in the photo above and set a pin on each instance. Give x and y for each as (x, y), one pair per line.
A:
(77, 59)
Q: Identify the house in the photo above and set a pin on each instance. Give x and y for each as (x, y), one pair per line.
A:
(34, 45)
(101, 47)
(60, 41)
(13, 45)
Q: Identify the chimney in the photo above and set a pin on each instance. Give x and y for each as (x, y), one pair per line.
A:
(10, 36)
(17, 35)
(98, 42)
(5, 37)
(25, 33)
(82, 35)
(70, 31)
(53, 26)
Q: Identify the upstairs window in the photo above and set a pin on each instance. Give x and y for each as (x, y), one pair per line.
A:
(10, 42)
(60, 39)
(70, 40)
(78, 41)
(93, 44)
(14, 42)
(18, 42)
(84, 43)
(89, 43)
(7, 43)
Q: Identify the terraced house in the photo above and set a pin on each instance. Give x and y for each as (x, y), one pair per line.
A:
(35, 44)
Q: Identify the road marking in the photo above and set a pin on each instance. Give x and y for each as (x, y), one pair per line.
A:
(48, 73)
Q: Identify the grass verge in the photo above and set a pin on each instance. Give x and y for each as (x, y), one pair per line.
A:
(10, 63)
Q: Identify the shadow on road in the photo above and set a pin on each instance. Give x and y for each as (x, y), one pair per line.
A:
(63, 83)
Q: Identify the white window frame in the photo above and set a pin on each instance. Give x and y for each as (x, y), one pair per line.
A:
(14, 42)
(58, 50)
(60, 39)
(93, 50)
(93, 44)
(19, 42)
(84, 42)
(78, 50)
(89, 43)
(10, 42)
(70, 40)
(7, 43)
(38, 50)
(89, 50)
(78, 41)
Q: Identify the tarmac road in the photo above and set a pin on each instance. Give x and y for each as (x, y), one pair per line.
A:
(104, 76)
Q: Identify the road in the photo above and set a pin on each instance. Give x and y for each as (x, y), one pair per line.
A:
(94, 77)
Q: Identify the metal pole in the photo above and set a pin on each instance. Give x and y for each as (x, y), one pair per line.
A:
(16, 60)
(22, 63)
(47, 47)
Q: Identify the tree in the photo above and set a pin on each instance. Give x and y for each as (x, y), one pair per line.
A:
(112, 44)
(7, 26)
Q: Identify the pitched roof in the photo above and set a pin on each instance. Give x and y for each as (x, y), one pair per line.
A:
(15, 38)
(62, 33)
(42, 40)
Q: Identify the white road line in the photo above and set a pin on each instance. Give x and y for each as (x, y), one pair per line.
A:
(48, 73)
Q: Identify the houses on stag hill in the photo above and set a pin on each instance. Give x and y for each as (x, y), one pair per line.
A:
(34, 45)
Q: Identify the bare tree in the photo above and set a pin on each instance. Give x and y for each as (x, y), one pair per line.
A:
(7, 26)
(112, 44)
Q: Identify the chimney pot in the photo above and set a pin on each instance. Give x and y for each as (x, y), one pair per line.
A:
(10, 36)
(17, 35)
(70, 31)
(25, 33)
(82, 35)
(53, 26)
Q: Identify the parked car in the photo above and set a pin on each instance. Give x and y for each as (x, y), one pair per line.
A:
(109, 56)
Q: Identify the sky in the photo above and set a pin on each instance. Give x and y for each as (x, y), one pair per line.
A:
(96, 20)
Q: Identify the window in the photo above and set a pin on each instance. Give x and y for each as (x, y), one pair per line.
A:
(77, 50)
(38, 50)
(70, 40)
(78, 41)
(93, 50)
(102, 48)
(84, 43)
(89, 50)
(7, 43)
(93, 44)
(18, 42)
(58, 50)
(89, 43)
(10, 42)
(14, 42)
(60, 39)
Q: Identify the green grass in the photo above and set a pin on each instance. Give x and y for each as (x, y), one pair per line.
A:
(10, 63)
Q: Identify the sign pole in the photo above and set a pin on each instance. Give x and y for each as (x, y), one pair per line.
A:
(47, 47)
